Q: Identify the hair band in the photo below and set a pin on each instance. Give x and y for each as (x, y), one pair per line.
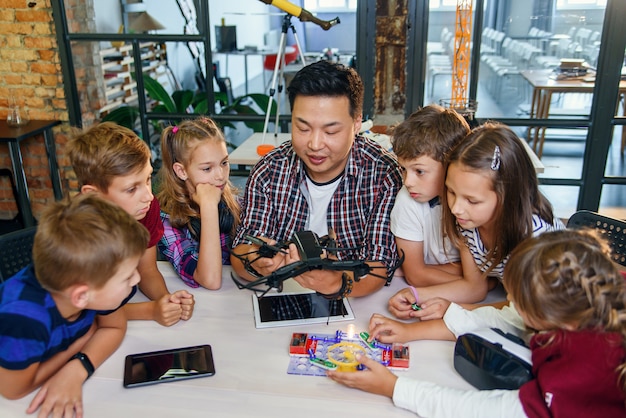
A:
(175, 129)
(495, 160)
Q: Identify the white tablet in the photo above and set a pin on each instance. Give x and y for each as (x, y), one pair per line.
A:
(298, 308)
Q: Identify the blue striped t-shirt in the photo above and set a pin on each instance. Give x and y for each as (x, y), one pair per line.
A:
(32, 329)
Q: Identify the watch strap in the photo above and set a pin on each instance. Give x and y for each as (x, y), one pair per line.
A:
(84, 360)
(345, 290)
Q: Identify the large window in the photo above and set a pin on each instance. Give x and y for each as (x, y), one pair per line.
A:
(329, 5)
(442, 4)
(579, 4)
(536, 72)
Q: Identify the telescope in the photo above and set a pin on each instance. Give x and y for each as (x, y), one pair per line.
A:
(302, 14)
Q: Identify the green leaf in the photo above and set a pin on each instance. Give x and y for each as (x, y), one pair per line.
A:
(182, 99)
(201, 108)
(198, 98)
(157, 92)
(124, 116)
(261, 101)
(160, 108)
(222, 98)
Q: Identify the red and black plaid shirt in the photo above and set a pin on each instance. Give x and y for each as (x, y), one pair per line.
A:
(275, 207)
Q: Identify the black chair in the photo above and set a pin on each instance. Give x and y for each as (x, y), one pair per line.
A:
(614, 230)
(16, 251)
(18, 221)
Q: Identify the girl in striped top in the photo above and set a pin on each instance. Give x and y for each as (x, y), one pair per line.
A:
(491, 203)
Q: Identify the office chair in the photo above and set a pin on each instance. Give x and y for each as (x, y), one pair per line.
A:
(18, 221)
(614, 231)
(224, 84)
(16, 251)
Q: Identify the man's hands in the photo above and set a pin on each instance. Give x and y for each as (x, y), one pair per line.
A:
(265, 265)
(323, 281)
(326, 282)
(376, 379)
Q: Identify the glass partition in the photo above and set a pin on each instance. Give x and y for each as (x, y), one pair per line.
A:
(613, 198)
(536, 70)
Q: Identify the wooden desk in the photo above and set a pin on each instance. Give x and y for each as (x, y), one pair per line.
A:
(543, 87)
(251, 366)
(13, 136)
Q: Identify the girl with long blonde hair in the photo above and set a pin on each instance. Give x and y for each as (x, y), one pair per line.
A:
(200, 211)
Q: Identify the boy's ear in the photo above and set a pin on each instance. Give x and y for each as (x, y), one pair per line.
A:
(180, 171)
(79, 296)
(88, 188)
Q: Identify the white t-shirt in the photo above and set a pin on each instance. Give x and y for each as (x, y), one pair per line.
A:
(415, 221)
(318, 198)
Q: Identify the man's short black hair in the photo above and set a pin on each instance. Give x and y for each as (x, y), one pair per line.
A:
(325, 78)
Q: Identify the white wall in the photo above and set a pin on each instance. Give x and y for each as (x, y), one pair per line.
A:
(252, 19)
(250, 16)
(108, 15)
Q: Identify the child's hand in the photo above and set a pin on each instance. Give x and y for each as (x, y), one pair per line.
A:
(433, 308)
(186, 301)
(62, 394)
(207, 194)
(376, 379)
(387, 330)
(166, 312)
(400, 304)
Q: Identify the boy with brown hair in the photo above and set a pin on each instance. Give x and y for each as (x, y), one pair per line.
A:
(421, 143)
(114, 162)
(60, 316)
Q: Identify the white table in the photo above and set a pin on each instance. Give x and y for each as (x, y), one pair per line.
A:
(251, 366)
(246, 154)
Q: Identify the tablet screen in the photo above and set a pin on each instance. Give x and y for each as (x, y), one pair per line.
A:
(168, 365)
(281, 309)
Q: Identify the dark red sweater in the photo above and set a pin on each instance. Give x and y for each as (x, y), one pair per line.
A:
(152, 222)
(575, 376)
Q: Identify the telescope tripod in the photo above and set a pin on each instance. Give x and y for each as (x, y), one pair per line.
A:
(279, 68)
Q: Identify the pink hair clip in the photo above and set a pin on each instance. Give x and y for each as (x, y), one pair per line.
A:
(175, 129)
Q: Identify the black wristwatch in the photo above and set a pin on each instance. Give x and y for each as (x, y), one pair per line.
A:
(84, 360)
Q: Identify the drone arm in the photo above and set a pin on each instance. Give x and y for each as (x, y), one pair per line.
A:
(246, 260)
(371, 282)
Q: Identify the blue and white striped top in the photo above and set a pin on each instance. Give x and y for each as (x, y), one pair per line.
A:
(479, 252)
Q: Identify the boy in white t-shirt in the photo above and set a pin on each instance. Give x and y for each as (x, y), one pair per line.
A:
(421, 143)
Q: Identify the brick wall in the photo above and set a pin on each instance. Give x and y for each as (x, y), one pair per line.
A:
(30, 74)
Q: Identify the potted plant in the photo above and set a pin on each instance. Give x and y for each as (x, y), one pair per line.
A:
(186, 101)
